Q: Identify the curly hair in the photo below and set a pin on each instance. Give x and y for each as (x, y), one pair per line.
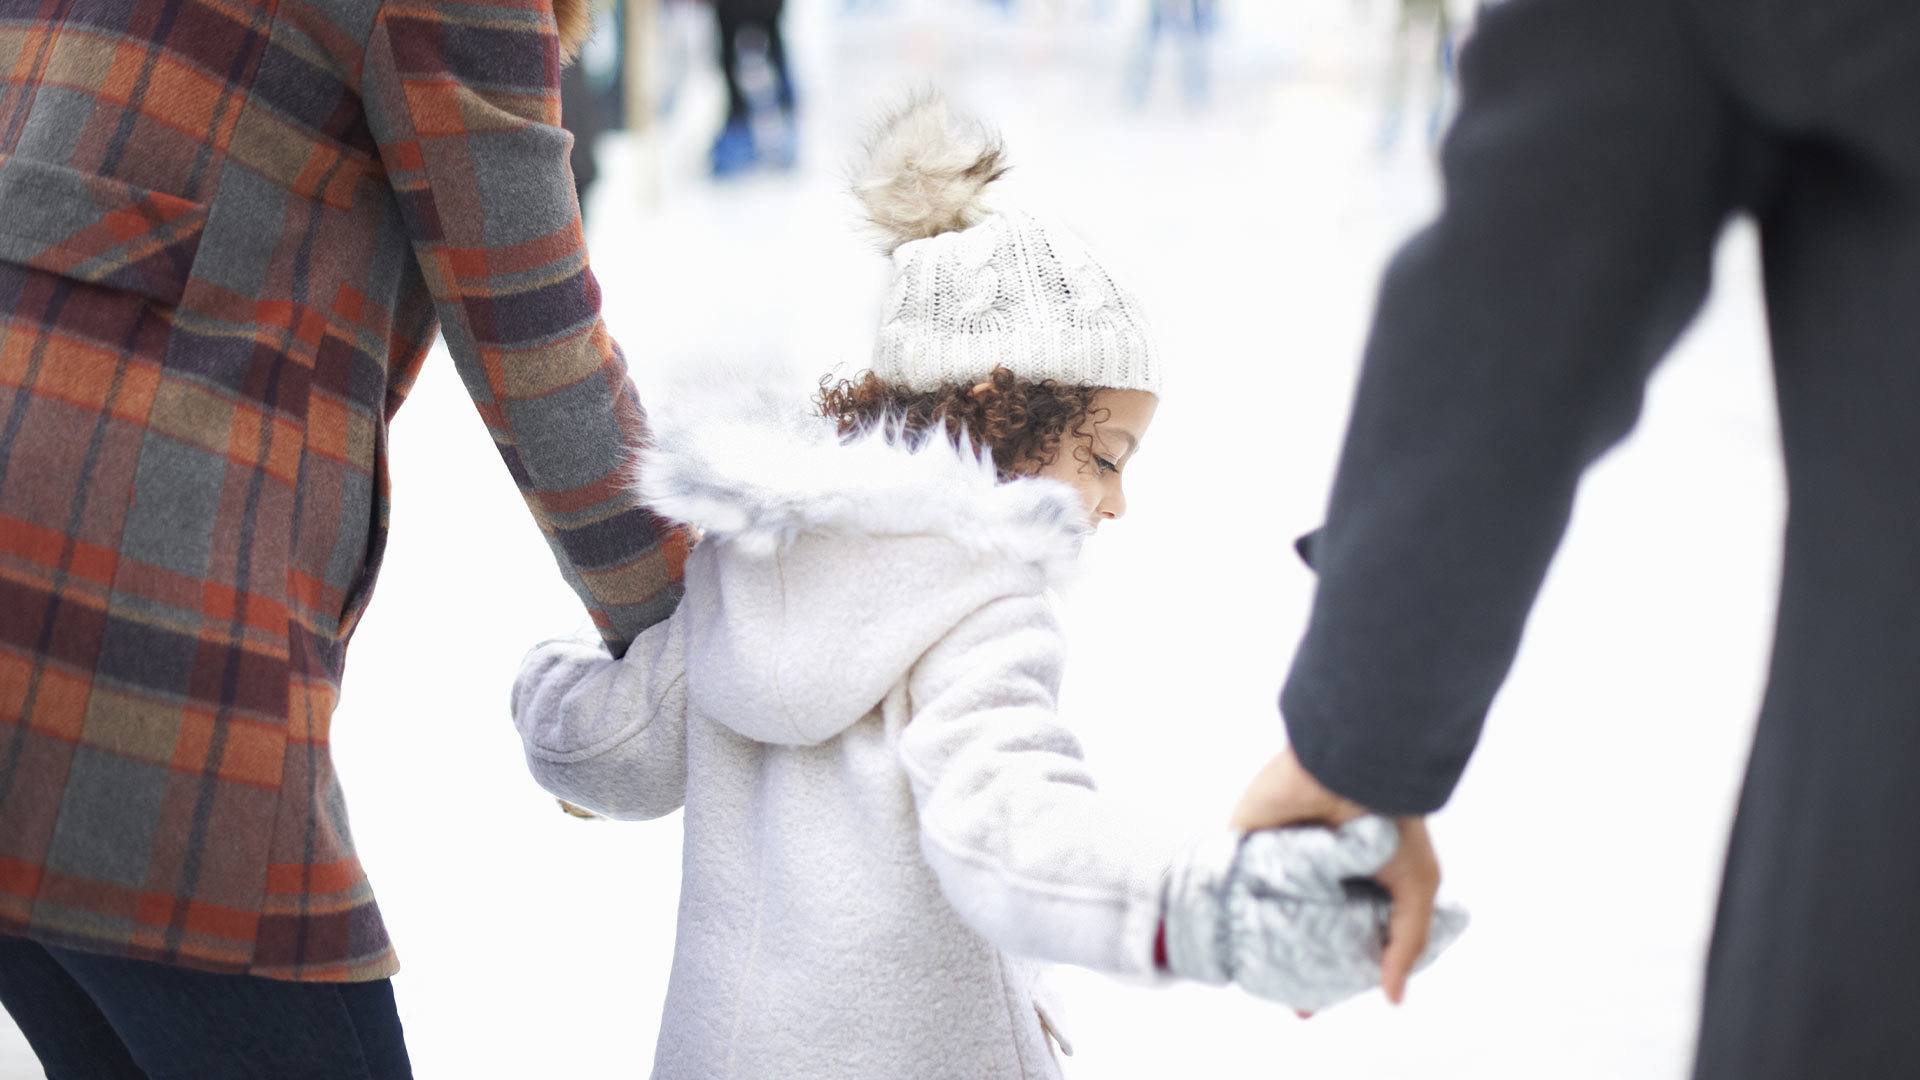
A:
(1021, 422)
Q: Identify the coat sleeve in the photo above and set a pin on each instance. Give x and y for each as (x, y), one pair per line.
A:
(463, 102)
(1587, 178)
(604, 733)
(1025, 849)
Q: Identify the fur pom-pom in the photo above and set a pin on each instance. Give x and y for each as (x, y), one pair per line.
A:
(575, 20)
(925, 169)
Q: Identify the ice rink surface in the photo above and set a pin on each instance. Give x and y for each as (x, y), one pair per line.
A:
(1588, 833)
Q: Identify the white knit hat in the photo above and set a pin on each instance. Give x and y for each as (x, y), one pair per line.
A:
(976, 286)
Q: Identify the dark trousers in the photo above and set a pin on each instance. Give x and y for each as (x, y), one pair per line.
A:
(733, 16)
(1600, 149)
(93, 1017)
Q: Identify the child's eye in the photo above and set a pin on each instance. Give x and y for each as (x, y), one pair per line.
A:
(1104, 465)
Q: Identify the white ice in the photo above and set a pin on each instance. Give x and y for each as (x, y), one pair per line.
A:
(1588, 833)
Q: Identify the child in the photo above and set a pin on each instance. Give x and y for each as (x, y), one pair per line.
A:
(887, 824)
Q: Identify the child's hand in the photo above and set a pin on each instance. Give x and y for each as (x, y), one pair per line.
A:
(1289, 913)
(1285, 793)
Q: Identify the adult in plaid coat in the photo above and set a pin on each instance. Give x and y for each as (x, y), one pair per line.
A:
(229, 230)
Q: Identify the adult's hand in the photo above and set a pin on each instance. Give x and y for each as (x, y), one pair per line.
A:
(1285, 793)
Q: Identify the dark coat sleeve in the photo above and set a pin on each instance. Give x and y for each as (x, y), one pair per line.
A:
(1588, 178)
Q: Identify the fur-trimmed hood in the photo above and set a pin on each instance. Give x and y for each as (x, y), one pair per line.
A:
(575, 20)
(826, 568)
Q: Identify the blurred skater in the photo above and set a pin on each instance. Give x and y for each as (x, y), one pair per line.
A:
(758, 130)
(1188, 27)
(591, 103)
(1420, 70)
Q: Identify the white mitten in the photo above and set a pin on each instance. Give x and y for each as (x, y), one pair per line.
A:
(1287, 913)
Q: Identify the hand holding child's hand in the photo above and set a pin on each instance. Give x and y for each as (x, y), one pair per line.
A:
(1285, 793)
(1280, 913)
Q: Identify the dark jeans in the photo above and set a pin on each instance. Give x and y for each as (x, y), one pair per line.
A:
(104, 1018)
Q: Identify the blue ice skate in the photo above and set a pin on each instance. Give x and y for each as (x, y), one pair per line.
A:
(780, 142)
(734, 152)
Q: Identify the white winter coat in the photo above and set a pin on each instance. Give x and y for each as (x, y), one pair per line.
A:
(887, 824)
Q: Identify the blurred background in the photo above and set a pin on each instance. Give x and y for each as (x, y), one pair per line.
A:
(1250, 166)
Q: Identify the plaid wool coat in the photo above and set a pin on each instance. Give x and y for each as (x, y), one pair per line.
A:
(228, 232)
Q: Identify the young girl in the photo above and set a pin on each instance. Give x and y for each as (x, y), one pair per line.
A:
(887, 824)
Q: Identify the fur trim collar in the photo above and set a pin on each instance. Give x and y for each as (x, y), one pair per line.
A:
(575, 19)
(761, 470)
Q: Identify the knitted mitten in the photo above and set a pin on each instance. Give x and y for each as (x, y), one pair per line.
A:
(1287, 914)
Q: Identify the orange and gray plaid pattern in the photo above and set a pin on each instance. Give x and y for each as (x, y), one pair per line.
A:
(229, 230)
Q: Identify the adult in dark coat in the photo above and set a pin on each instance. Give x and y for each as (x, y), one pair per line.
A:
(1601, 148)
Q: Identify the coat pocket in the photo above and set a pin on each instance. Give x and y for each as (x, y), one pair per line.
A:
(1048, 1009)
(96, 229)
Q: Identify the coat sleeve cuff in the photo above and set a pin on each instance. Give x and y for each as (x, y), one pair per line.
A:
(1378, 777)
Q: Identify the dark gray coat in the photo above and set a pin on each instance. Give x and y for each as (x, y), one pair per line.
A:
(1601, 148)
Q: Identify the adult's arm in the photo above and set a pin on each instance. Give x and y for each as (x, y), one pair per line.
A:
(1588, 176)
(463, 100)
